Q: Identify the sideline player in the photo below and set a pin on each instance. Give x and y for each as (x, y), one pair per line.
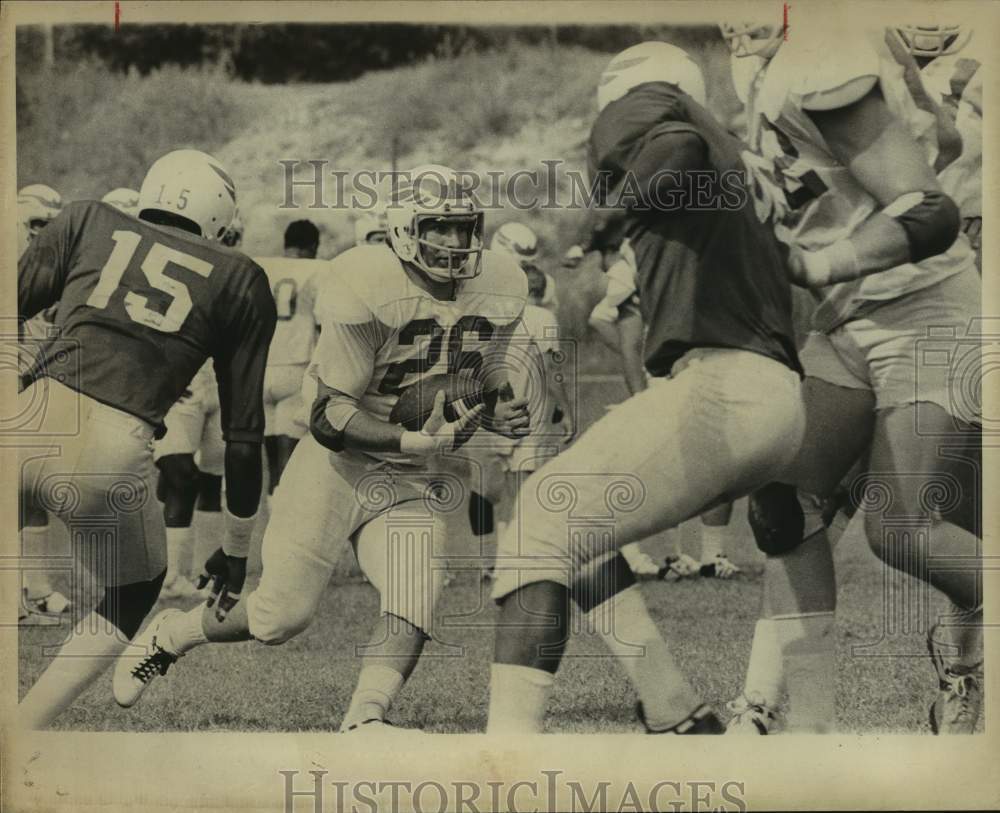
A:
(717, 305)
(142, 303)
(123, 199)
(821, 142)
(371, 229)
(37, 206)
(431, 301)
(292, 346)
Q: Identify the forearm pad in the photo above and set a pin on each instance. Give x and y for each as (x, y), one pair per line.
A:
(930, 219)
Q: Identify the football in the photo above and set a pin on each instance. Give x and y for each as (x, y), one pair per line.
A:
(462, 391)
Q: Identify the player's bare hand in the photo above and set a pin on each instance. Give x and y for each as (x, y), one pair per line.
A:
(511, 418)
(227, 575)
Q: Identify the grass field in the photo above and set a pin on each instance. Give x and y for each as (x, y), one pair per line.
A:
(883, 685)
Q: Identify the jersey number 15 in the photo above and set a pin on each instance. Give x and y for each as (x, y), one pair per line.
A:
(153, 266)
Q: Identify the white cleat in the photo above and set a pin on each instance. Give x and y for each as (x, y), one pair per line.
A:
(751, 716)
(680, 567)
(143, 660)
(960, 697)
(643, 566)
(180, 587)
(377, 727)
(44, 610)
(719, 568)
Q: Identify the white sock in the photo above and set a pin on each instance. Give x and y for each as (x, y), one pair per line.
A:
(35, 545)
(377, 689)
(627, 629)
(185, 631)
(180, 542)
(808, 649)
(518, 698)
(765, 676)
(713, 542)
(632, 553)
(208, 533)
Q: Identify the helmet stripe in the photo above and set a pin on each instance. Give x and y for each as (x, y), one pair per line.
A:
(230, 186)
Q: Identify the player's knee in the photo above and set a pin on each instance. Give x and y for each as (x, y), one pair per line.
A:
(776, 518)
(125, 606)
(480, 515)
(209, 492)
(272, 623)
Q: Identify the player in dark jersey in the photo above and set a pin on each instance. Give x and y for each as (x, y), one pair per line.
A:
(142, 304)
(723, 411)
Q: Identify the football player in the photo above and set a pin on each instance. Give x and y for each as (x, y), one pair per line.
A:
(123, 199)
(431, 301)
(292, 345)
(142, 304)
(37, 206)
(617, 320)
(370, 229)
(722, 415)
(822, 134)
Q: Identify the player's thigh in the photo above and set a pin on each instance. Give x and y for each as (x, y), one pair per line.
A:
(212, 446)
(101, 484)
(404, 560)
(185, 425)
(839, 407)
(288, 417)
(720, 427)
(314, 511)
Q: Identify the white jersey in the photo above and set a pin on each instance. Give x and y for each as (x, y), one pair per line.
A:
(295, 331)
(956, 83)
(381, 333)
(814, 199)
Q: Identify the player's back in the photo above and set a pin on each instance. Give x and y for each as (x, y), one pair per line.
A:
(141, 306)
(291, 281)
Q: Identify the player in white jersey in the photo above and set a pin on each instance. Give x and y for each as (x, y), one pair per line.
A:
(432, 301)
(37, 206)
(896, 286)
(371, 229)
(948, 62)
(292, 346)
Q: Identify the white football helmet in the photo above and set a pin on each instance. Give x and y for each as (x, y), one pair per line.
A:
(650, 62)
(37, 206)
(233, 235)
(517, 240)
(371, 228)
(123, 199)
(933, 40)
(752, 38)
(192, 185)
(431, 194)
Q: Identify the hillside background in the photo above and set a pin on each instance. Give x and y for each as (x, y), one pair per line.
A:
(94, 109)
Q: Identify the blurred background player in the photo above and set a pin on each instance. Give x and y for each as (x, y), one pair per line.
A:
(37, 206)
(123, 199)
(293, 343)
(113, 373)
(383, 315)
(371, 229)
(884, 255)
(491, 499)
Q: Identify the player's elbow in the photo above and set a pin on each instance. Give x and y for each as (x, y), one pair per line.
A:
(931, 220)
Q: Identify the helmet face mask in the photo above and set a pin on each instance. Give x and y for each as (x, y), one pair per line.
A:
(233, 234)
(429, 197)
(930, 41)
(753, 38)
(192, 187)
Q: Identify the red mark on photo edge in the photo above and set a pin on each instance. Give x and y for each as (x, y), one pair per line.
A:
(784, 24)
(118, 16)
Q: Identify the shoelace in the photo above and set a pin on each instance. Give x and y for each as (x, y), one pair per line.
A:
(744, 705)
(157, 663)
(958, 686)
